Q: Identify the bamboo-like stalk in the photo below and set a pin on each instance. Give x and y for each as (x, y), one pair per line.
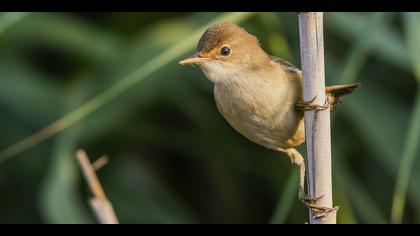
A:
(317, 122)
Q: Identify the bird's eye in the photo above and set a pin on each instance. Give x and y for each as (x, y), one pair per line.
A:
(225, 51)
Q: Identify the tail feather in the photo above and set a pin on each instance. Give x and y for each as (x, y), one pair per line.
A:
(341, 90)
(336, 91)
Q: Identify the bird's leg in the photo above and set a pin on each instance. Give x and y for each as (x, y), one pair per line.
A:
(308, 201)
(306, 106)
(297, 159)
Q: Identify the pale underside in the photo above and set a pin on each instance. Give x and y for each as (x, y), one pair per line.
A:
(260, 108)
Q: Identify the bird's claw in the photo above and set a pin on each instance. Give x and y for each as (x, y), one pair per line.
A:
(308, 199)
(319, 211)
(308, 105)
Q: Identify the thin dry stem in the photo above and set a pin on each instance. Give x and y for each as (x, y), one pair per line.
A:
(101, 162)
(102, 208)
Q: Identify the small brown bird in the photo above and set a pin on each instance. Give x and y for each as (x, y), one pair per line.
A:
(261, 96)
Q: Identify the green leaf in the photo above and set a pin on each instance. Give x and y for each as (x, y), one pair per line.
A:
(412, 140)
(411, 146)
(21, 86)
(412, 24)
(363, 47)
(60, 200)
(385, 143)
(365, 207)
(389, 44)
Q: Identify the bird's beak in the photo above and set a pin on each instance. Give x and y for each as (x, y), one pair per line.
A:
(194, 59)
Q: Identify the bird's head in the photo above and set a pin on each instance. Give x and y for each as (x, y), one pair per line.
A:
(225, 51)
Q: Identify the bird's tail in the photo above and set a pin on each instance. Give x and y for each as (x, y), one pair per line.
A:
(335, 92)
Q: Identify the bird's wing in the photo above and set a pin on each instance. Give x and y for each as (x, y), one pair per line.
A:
(284, 63)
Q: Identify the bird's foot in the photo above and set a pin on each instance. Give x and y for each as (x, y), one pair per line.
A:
(306, 106)
(319, 211)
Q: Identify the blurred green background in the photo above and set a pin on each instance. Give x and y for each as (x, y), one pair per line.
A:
(173, 158)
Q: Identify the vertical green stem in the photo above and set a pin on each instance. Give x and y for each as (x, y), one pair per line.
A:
(407, 161)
